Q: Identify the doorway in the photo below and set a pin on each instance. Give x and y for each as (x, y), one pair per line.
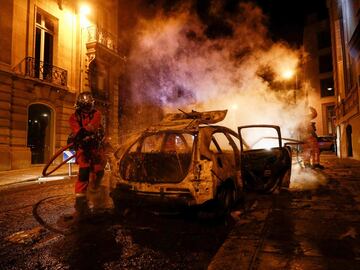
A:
(39, 136)
(349, 141)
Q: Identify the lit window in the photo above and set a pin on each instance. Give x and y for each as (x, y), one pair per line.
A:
(327, 87)
(44, 43)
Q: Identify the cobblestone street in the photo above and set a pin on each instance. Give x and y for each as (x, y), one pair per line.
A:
(303, 228)
(313, 225)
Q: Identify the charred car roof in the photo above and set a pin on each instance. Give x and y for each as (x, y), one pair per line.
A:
(188, 121)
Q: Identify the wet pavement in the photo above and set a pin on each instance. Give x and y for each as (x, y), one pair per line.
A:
(308, 227)
(33, 236)
(313, 225)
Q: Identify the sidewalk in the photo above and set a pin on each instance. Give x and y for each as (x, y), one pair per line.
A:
(33, 173)
(315, 228)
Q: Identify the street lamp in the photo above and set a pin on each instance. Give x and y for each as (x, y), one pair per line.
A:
(84, 12)
(84, 9)
(287, 75)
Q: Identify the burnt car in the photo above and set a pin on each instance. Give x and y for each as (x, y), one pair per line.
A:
(186, 160)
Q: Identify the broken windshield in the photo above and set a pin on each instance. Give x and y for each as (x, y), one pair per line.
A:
(160, 157)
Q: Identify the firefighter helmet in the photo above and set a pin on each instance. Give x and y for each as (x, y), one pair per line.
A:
(312, 113)
(85, 102)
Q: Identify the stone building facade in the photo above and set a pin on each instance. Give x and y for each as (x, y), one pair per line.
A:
(318, 70)
(345, 33)
(51, 50)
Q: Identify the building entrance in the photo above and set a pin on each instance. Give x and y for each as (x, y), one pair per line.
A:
(349, 140)
(38, 136)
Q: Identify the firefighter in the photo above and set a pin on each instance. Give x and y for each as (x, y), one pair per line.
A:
(88, 135)
(311, 146)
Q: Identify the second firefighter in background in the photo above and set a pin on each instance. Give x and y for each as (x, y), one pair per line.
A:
(311, 146)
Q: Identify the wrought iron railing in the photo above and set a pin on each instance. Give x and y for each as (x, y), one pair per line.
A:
(97, 34)
(347, 104)
(34, 68)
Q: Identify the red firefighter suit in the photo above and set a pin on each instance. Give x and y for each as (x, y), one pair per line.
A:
(311, 147)
(90, 154)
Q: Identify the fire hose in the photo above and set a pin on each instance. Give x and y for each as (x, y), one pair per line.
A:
(45, 172)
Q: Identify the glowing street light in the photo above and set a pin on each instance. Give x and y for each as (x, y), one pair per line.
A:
(84, 9)
(288, 74)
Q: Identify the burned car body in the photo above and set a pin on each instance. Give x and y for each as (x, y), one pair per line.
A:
(186, 160)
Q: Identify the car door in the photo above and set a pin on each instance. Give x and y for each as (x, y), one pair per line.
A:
(223, 155)
(264, 162)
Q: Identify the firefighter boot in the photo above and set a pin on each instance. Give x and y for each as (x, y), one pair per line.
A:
(81, 208)
(68, 221)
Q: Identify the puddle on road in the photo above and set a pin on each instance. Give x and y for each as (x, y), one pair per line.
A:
(26, 237)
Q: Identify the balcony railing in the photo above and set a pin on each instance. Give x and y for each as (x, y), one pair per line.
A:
(97, 34)
(347, 104)
(34, 68)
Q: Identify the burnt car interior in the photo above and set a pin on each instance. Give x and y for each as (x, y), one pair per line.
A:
(222, 151)
(163, 157)
(263, 168)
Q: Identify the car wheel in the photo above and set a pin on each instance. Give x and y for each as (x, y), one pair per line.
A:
(271, 185)
(226, 198)
(285, 182)
(220, 206)
(119, 207)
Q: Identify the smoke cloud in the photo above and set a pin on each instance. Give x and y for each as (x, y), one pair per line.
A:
(191, 58)
(175, 64)
(306, 179)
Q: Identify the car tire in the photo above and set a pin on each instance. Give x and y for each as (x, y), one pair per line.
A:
(220, 206)
(225, 198)
(119, 207)
(285, 182)
(272, 185)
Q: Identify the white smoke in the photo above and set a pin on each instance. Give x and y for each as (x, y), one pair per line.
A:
(173, 65)
(305, 179)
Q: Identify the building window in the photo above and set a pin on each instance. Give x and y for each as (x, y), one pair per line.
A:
(98, 79)
(323, 39)
(44, 42)
(327, 87)
(325, 63)
(330, 117)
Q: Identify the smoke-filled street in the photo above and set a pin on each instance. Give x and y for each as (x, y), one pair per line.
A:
(179, 134)
(307, 226)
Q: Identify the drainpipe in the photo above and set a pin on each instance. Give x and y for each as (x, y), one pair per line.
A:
(27, 29)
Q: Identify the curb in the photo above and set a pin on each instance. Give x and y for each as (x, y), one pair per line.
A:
(38, 179)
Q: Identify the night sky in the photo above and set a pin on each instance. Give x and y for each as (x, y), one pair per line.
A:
(286, 18)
